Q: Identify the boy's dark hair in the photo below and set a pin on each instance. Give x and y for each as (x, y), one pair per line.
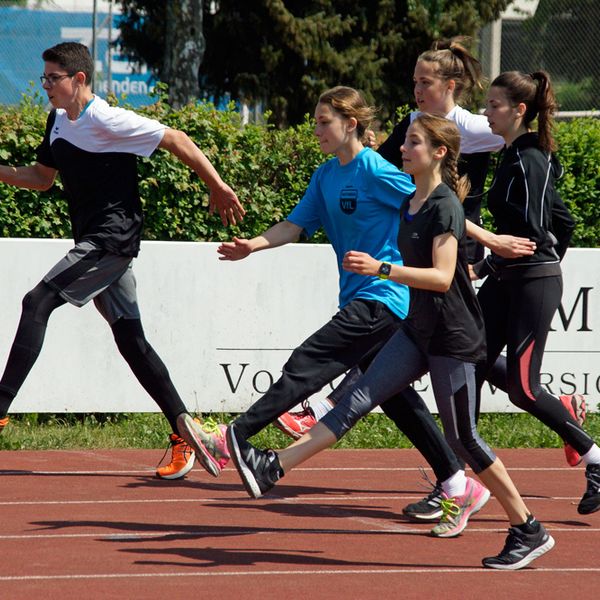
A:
(72, 57)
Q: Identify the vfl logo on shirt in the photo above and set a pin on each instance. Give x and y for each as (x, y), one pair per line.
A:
(348, 199)
(55, 130)
(414, 235)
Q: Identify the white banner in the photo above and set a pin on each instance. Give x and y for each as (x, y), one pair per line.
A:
(225, 329)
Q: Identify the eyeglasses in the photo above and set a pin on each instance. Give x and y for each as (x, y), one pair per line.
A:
(53, 79)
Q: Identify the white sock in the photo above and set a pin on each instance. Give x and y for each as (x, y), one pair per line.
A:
(456, 485)
(321, 408)
(592, 456)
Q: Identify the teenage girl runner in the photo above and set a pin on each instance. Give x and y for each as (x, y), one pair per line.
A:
(356, 196)
(443, 334)
(443, 77)
(520, 296)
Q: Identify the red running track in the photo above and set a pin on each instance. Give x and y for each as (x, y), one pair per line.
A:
(97, 524)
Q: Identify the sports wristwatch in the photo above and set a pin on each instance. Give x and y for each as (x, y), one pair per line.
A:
(384, 270)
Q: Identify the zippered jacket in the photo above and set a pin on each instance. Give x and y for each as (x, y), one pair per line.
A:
(524, 202)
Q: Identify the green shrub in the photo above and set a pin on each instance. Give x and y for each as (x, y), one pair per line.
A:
(269, 169)
(579, 153)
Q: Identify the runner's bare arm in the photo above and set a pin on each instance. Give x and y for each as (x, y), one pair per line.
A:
(222, 197)
(33, 177)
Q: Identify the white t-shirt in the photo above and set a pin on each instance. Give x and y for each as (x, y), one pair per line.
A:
(105, 128)
(475, 132)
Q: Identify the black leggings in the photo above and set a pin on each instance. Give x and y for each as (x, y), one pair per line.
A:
(37, 306)
(129, 336)
(358, 330)
(518, 315)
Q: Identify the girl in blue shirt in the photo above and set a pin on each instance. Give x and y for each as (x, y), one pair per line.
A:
(443, 334)
(356, 197)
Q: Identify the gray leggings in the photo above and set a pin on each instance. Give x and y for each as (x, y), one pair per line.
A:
(399, 363)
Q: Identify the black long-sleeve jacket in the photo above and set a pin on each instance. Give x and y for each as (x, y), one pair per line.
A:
(524, 202)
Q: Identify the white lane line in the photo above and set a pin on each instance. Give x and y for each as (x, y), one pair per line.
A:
(370, 572)
(244, 498)
(9, 472)
(159, 535)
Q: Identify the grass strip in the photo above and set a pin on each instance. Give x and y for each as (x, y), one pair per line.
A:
(150, 430)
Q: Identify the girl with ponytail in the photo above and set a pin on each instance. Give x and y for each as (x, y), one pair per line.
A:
(443, 77)
(520, 296)
(442, 334)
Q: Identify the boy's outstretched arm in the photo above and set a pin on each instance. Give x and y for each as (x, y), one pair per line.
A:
(222, 197)
(33, 177)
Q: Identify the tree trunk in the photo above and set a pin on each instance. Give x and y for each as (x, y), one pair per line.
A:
(184, 50)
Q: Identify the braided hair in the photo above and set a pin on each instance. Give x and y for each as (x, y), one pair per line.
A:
(443, 132)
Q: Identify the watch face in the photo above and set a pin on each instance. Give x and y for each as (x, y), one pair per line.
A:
(385, 269)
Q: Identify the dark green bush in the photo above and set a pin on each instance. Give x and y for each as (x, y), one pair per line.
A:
(579, 152)
(269, 169)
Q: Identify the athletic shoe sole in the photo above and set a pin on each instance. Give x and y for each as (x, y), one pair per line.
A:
(182, 472)
(432, 516)
(476, 508)
(190, 431)
(547, 546)
(245, 473)
(285, 429)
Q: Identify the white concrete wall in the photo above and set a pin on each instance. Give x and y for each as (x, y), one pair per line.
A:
(225, 329)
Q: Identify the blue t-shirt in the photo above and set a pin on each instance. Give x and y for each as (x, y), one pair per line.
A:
(358, 205)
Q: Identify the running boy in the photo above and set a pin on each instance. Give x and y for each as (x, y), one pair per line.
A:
(93, 147)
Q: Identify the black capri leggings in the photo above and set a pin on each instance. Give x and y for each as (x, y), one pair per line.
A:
(518, 315)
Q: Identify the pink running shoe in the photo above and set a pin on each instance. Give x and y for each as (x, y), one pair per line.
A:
(456, 511)
(207, 440)
(296, 424)
(575, 404)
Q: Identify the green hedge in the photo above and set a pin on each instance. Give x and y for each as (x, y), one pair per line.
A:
(269, 169)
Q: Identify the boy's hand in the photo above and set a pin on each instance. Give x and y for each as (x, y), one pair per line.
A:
(225, 201)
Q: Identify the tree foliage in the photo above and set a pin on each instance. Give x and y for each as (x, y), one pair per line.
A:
(284, 54)
(168, 37)
(268, 167)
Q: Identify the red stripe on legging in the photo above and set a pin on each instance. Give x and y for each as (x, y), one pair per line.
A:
(524, 364)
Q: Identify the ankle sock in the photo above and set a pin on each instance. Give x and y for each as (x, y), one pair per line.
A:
(532, 525)
(456, 485)
(321, 408)
(592, 456)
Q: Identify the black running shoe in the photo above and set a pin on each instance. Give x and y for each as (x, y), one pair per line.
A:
(427, 509)
(590, 501)
(520, 549)
(259, 470)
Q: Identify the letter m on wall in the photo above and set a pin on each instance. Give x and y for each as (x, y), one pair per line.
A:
(580, 307)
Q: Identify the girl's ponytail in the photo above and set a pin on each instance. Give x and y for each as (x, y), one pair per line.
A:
(535, 91)
(546, 107)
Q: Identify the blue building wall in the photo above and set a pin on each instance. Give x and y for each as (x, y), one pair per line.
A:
(25, 34)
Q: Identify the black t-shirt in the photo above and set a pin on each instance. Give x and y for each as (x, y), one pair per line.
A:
(478, 140)
(442, 324)
(96, 156)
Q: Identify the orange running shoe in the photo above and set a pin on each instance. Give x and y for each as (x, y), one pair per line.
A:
(575, 404)
(3, 423)
(182, 459)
